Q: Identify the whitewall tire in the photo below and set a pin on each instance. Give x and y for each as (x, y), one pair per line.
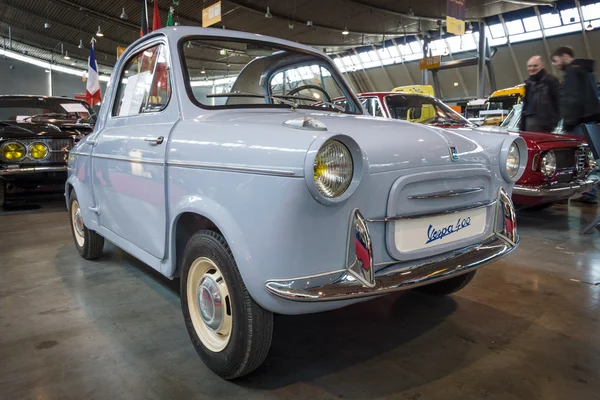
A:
(88, 243)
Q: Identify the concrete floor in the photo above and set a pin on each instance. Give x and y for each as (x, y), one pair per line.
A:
(112, 329)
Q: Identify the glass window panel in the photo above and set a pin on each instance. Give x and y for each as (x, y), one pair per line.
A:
(364, 56)
(413, 57)
(525, 36)
(355, 60)
(561, 30)
(383, 53)
(591, 11)
(347, 61)
(373, 55)
(531, 24)
(514, 27)
(488, 33)
(454, 43)
(416, 46)
(372, 64)
(497, 42)
(497, 31)
(338, 62)
(406, 49)
(550, 20)
(393, 51)
(570, 16)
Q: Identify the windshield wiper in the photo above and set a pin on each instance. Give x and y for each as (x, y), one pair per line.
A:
(4, 123)
(254, 95)
(49, 115)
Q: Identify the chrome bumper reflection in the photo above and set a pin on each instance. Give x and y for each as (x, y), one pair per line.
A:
(31, 170)
(555, 190)
(357, 281)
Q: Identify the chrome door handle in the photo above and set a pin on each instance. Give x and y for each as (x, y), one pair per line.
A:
(156, 141)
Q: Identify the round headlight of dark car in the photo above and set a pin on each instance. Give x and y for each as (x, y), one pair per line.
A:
(39, 151)
(513, 161)
(548, 164)
(13, 151)
(590, 159)
(333, 169)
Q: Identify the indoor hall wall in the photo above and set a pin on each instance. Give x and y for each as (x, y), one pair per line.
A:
(30, 79)
(503, 64)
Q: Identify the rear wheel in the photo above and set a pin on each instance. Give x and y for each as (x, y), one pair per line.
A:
(448, 286)
(230, 332)
(88, 243)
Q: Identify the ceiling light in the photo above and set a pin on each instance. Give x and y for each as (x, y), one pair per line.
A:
(469, 29)
(455, 83)
(80, 44)
(345, 31)
(411, 12)
(176, 23)
(589, 26)
(309, 23)
(47, 70)
(268, 13)
(291, 25)
(99, 33)
(124, 14)
(203, 71)
(47, 25)
(67, 55)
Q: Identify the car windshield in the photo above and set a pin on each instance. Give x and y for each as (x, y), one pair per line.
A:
(26, 109)
(259, 74)
(422, 109)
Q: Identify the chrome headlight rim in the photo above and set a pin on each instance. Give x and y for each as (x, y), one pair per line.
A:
(357, 160)
(551, 155)
(521, 146)
(8, 142)
(30, 151)
(591, 160)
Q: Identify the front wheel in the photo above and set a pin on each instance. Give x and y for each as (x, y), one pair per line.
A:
(88, 243)
(230, 332)
(448, 286)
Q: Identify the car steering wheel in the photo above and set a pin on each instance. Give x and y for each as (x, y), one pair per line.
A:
(315, 87)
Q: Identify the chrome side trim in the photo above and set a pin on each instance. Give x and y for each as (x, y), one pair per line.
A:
(79, 154)
(449, 193)
(128, 159)
(29, 170)
(556, 190)
(230, 167)
(474, 206)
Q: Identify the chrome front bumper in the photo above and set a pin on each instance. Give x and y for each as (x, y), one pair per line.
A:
(555, 190)
(31, 170)
(355, 281)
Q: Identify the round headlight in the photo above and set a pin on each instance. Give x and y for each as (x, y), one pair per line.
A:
(13, 151)
(333, 169)
(590, 159)
(513, 161)
(39, 151)
(548, 164)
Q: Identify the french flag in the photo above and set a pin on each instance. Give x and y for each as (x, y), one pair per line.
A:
(92, 87)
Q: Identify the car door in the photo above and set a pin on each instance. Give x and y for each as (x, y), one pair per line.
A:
(128, 158)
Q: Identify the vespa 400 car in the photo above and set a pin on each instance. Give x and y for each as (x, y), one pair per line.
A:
(219, 158)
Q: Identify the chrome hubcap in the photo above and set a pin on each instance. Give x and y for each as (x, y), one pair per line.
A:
(211, 303)
(78, 221)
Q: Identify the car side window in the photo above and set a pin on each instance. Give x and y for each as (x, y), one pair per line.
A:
(144, 86)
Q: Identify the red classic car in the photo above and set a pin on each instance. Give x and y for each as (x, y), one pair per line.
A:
(558, 164)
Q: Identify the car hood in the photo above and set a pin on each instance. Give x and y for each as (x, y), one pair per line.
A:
(542, 140)
(28, 130)
(387, 144)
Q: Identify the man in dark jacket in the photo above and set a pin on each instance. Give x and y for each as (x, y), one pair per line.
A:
(578, 96)
(540, 104)
(578, 100)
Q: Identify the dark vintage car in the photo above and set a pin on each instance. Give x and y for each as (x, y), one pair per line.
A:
(36, 134)
(558, 165)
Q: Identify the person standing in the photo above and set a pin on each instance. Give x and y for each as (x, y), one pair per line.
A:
(579, 102)
(540, 104)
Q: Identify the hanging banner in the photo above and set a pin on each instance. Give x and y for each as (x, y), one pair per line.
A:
(211, 14)
(455, 17)
(430, 62)
(120, 51)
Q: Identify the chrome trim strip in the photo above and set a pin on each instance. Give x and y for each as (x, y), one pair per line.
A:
(79, 154)
(128, 159)
(28, 170)
(449, 193)
(474, 206)
(229, 167)
(549, 190)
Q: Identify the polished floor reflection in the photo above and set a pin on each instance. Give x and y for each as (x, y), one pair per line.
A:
(526, 328)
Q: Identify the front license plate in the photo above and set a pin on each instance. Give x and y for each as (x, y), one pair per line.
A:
(422, 233)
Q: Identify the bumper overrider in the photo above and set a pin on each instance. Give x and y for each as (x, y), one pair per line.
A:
(556, 189)
(359, 279)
